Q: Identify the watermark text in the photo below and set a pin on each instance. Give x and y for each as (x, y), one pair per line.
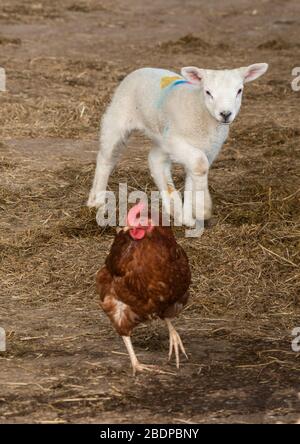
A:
(2, 79)
(2, 339)
(296, 340)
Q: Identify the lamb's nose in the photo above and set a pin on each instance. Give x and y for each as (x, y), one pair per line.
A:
(225, 115)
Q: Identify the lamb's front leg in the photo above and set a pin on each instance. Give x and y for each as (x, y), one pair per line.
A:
(160, 167)
(188, 213)
(197, 200)
(198, 195)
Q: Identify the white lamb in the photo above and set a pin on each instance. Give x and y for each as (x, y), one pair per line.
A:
(187, 117)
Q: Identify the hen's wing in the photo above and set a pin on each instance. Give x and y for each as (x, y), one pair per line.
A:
(113, 296)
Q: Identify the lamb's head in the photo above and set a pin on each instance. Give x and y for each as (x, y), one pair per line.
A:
(223, 89)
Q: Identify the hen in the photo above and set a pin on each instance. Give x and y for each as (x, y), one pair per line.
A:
(146, 275)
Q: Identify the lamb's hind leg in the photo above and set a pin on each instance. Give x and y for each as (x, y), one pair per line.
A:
(112, 142)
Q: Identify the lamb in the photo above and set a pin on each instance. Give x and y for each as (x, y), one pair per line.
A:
(186, 116)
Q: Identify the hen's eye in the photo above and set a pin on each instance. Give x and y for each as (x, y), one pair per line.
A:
(208, 93)
(239, 91)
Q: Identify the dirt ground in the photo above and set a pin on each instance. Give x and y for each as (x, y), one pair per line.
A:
(64, 362)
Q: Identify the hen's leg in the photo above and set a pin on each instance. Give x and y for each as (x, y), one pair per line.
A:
(175, 343)
(136, 365)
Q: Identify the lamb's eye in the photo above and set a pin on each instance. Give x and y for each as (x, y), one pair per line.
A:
(239, 91)
(209, 93)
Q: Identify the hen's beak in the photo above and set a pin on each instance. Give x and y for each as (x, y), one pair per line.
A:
(128, 227)
(119, 229)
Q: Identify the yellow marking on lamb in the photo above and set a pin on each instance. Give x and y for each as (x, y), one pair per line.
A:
(166, 81)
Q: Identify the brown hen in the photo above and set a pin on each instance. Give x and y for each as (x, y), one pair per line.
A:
(146, 275)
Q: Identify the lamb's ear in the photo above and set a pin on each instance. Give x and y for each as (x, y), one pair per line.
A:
(193, 74)
(252, 72)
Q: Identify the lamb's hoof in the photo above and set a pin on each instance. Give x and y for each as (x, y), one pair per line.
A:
(210, 223)
(101, 214)
(207, 212)
(92, 201)
(189, 221)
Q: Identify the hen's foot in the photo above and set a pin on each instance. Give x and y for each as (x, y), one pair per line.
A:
(175, 343)
(138, 367)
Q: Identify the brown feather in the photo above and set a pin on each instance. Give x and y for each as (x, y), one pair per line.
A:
(142, 279)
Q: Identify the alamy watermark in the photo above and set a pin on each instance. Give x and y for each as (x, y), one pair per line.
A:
(296, 340)
(2, 339)
(113, 212)
(2, 79)
(295, 84)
